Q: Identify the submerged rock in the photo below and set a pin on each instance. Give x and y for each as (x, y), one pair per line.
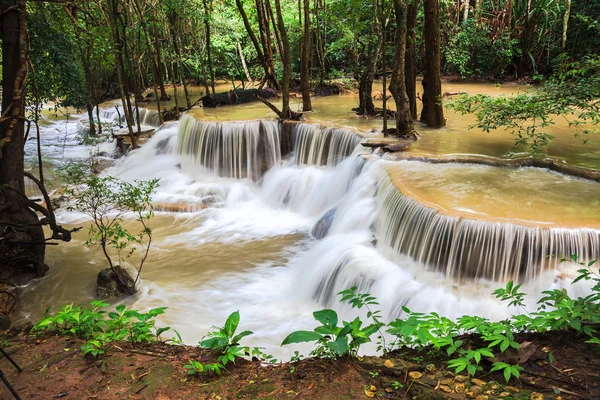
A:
(321, 228)
(114, 282)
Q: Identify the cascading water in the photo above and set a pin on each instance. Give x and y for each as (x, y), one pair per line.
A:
(245, 244)
(229, 149)
(463, 248)
(323, 145)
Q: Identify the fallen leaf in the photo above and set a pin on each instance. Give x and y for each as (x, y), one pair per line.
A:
(311, 385)
(369, 393)
(388, 363)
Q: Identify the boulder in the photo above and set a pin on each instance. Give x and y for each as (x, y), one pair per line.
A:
(114, 282)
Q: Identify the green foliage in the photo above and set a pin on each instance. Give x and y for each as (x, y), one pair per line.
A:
(196, 368)
(572, 94)
(333, 341)
(106, 201)
(474, 51)
(225, 341)
(100, 328)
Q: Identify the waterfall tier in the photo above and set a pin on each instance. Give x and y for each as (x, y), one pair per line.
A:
(247, 149)
(464, 248)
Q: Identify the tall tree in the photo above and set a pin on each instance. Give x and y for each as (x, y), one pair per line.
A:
(305, 59)
(404, 122)
(432, 82)
(369, 63)
(270, 78)
(410, 72)
(22, 241)
(285, 58)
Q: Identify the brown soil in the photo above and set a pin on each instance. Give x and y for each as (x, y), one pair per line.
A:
(53, 367)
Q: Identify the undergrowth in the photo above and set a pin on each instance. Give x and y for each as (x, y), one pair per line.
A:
(465, 342)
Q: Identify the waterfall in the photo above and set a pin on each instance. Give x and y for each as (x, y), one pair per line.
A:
(240, 149)
(464, 248)
(323, 145)
(148, 117)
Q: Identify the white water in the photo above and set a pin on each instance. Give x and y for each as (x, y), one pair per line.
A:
(278, 293)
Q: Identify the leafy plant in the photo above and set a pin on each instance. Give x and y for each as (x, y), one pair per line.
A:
(333, 341)
(225, 341)
(196, 368)
(106, 201)
(100, 328)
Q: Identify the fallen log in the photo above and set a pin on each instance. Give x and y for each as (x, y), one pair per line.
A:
(236, 97)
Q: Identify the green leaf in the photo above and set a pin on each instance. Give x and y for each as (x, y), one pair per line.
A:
(339, 346)
(232, 323)
(326, 317)
(302, 336)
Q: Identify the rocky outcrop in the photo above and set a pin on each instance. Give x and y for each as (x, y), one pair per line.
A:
(114, 282)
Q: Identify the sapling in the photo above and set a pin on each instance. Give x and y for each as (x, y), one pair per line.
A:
(106, 201)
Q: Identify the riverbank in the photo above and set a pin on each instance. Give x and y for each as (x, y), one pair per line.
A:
(53, 367)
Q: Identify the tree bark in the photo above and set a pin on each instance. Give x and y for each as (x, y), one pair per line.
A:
(566, 23)
(113, 18)
(19, 225)
(287, 68)
(243, 59)
(404, 123)
(411, 57)
(211, 70)
(304, 60)
(365, 86)
(433, 88)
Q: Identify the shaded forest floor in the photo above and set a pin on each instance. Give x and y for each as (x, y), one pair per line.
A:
(53, 367)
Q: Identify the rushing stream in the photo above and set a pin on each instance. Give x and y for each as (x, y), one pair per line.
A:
(274, 220)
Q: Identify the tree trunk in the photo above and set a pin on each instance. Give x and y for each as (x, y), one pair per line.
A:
(404, 122)
(365, 91)
(90, 111)
(248, 76)
(465, 11)
(384, 67)
(270, 79)
(285, 82)
(113, 18)
(211, 70)
(18, 222)
(566, 23)
(411, 57)
(435, 112)
(365, 86)
(305, 59)
(155, 59)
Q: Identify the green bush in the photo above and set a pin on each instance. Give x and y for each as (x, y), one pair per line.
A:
(474, 52)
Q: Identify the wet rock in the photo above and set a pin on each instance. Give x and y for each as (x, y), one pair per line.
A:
(512, 389)
(482, 397)
(430, 368)
(461, 378)
(504, 394)
(446, 381)
(115, 282)
(459, 388)
(321, 228)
